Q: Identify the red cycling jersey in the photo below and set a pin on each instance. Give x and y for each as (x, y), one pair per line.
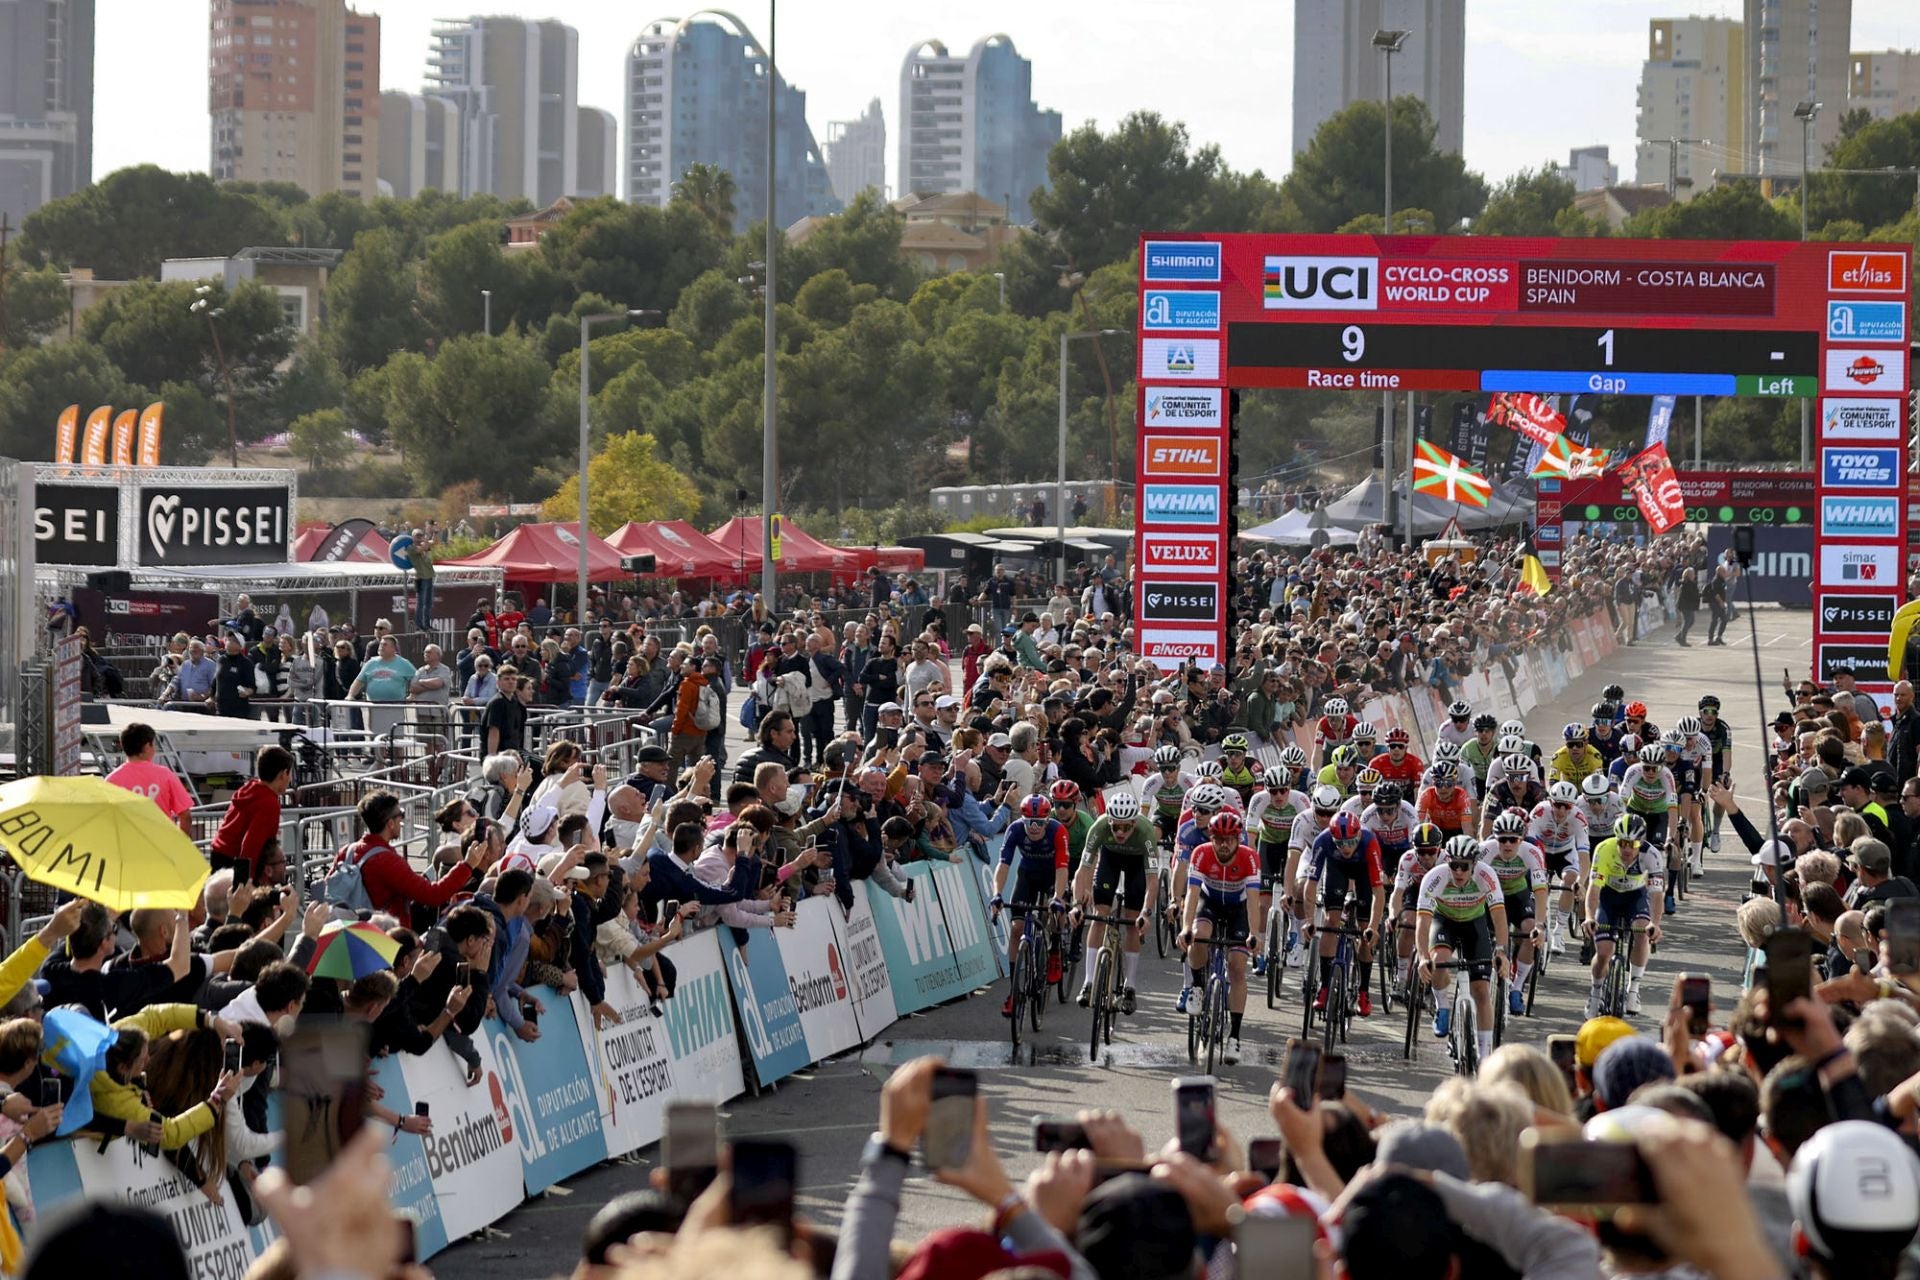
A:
(1407, 772)
(1224, 881)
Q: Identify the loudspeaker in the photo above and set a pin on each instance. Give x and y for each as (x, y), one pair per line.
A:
(111, 580)
(640, 565)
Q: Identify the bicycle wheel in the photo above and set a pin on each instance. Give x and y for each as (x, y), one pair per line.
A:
(1310, 989)
(1414, 1001)
(1216, 1019)
(1102, 1003)
(1533, 976)
(1499, 1011)
(1276, 954)
(1336, 1005)
(1163, 894)
(1617, 984)
(1017, 988)
(1466, 1059)
(1036, 979)
(1385, 963)
(1069, 961)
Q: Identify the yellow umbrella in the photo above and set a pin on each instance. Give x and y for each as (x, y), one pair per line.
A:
(99, 841)
(1903, 621)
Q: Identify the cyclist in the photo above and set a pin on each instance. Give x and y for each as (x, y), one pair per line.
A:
(1224, 871)
(1165, 788)
(1294, 761)
(1443, 802)
(1397, 763)
(1340, 771)
(1517, 863)
(1510, 745)
(1465, 895)
(1600, 801)
(1559, 826)
(1306, 829)
(1413, 868)
(1720, 738)
(1480, 753)
(1613, 693)
(1573, 762)
(1518, 729)
(1604, 736)
(1691, 776)
(1627, 872)
(1628, 757)
(1346, 854)
(1457, 730)
(1633, 720)
(1334, 729)
(1447, 753)
(1204, 803)
(1364, 783)
(1392, 820)
(1271, 815)
(1650, 791)
(1041, 845)
(1235, 772)
(1517, 789)
(1068, 812)
(1118, 847)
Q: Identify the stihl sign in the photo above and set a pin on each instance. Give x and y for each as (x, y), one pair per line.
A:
(1182, 456)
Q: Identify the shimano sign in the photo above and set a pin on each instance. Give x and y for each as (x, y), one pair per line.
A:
(1189, 260)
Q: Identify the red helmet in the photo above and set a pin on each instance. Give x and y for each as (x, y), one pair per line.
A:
(1224, 823)
(1398, 738)
(1065, 792)
(1636, 711)
(1345, 828)
(1036, 808)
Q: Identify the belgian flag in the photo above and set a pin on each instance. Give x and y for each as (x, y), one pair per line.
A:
(1533, 575)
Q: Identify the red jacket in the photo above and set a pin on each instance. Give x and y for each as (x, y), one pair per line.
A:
(252, 818)
(392, 885)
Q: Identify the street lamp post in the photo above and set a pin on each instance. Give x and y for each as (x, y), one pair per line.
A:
(1001, 276)
(1805, 113)
(1060, 485)
(586, 339)
(203, 306)
(1390, 42)
(486, 312)
(770, 438)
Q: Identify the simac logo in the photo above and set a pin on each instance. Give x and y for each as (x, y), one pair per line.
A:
(1320, 284)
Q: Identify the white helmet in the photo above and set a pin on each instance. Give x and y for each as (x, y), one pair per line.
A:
(1293, 758)
(1207, 797)
(1518, 765)
(1326, 798)
(1596, 785)
(1687, 726)
(1335, 707)
(1511, 744)
(1123, 806)
(1445, 750)
(1365, 732)
(1517, 728)
(1563, 793)
(1208, 769)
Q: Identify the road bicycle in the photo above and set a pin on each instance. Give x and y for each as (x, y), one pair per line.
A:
(1342, 989)
(1515, 941)
(1107, 967)
(1463, 1046)
(1028, 981)
(1279, 935)
(1207, 1026)
(1613, 987)
(1166, 911)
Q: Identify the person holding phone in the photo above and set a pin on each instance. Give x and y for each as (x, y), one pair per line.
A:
(1628, 874)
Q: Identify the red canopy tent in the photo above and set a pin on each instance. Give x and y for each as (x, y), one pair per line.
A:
(800, 552)
(682, 550)
(546, 553)
(901, 559)
(371, 549)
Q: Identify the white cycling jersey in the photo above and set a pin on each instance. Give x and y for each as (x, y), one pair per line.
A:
(1458, 735)
(1392, 829)
(1270, 820)
(1562, 835)
(1463, 777)
(1407, 874)
(1602, 813)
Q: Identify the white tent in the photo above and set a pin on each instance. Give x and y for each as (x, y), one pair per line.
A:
(1297, 529)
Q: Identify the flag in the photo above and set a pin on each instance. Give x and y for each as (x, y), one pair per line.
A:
(1446, 477)
(1580, 417)
(64, 433)
(75, 1044)
(1565, 460)
(149, 450)
(93, 445)
(1533, 575)
(1659, 418)
(1649, 477)
(123, 438)
(1534, 417)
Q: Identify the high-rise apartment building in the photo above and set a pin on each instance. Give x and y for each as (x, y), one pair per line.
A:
(696, 94)
(46, 102)
(857, 153)
(516, 84)
(598, 166)
(1884, 84)
(419, 144)
(1590, 168)
(1335, 63)
(1797, 51)
(970, 124)
(1691, 116)
(294, 94)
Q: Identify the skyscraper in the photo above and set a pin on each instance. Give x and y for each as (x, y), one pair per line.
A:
(1692, 86)
(419, 144)
(970, 124)
(294, 92)
(1885, 84)
(516, 84)
(857, 153)
(1797, 51)
(46, 102)
(599, 162)
(696, 94)
(1336, 65)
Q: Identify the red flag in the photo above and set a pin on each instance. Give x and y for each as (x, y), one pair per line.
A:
(1649, 476)
(1532, 416)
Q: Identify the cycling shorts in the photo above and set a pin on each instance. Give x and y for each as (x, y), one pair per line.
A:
(1468, 940)
(1686, 779)
(1128, 874)
(1623, 908)
(1339, 877)
(1558, 860)
(1032, 882)
(1273, 863)
(1362, 903)
(1519, 907)
(1229, 920)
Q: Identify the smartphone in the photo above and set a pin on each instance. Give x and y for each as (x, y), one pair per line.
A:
(690, 1148)
(423, 1110)
(1903, 935)
(323, 1092)
(948, 1137)
(1573, 1171)
(1789, 970)
(49, 1090)
(462, 974)
(669, 910)
(1333, 1076)
(230, 1057)
(1193, 1115)
(1863, 959)
(1059, 1135)
(886, 736)
(765, 1173)
(1696, 995)
(1562, 1050)
(1301, 1071)
(1274, 1247)
(1263, 1157)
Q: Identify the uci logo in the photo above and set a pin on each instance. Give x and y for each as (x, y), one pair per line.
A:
(1320, 284)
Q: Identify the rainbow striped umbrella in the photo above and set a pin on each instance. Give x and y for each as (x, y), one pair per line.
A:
(350, 949)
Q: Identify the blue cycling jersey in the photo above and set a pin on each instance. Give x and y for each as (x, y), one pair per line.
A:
(1365, 855)
(1049, 848)
(1191, 836)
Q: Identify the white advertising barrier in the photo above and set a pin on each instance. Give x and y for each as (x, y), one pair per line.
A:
(819, 979)
(472, 1156)
(1525, 695)
(864, 959)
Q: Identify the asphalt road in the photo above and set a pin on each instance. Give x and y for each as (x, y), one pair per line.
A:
(829, 1111)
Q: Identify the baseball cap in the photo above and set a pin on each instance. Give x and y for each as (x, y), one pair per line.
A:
(551, 863)
(651, 754)
(1133, 1225)
(1855, 1187)
(1857, 776)
(960, 1253)
(1595, 1035)
(1784, 720)
(1415, 1144)
(933, 759)
(1871, 855)
(1625, 1065)
(1000, 742)
(945, 701)
(1815, 780)
(894, 707)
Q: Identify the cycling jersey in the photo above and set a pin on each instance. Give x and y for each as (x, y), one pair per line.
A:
(1408, 873)
(1564, 768)
(1191, 836)
(1520, 871)
(1393, 828)
(1458, 734)
(1076, 835)
(1649, 788)
(1463, 778)
(1274, 816)
(1617, 770)
(1334, 731)
(1478, 757)
(1406, 773)
(1050, 846)
(1608, 745)
(1306, 828)
(1101, 838)
(1497, 773)
(1506, 796)
(1559, 833)
(1602, 813)
(1440, 896)
(1448, 813)
(1720, 740)
(1167, 795)
(1614, 872)
(1365, 858)
(1329, 776)
(1224, 883)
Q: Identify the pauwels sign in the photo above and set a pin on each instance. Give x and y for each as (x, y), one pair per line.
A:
(204, 525)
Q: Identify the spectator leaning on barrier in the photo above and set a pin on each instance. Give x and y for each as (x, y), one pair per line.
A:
(391, 884)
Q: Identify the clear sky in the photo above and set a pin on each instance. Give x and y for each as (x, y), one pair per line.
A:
(1542, 75)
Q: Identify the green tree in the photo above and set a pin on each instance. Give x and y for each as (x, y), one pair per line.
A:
(480, 409)
(460, 264)
(150, 330)
(1868, 199)
(124, 224)
(1729, 211)
(627, 480)
(1339, 176)
(1537, 202)
(194, 429)
(37, 305)
(708, 307)
(373, 304)
(862, 240)
(1106, 189)
(312, 381)
(38, 382)
(322, 439)
(633, 255)
(710, 190)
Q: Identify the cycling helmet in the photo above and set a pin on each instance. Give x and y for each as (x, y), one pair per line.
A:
(1367, 780)
(1326, 798)
(1427, 836)
(1365, 732)
(1630, 744)
(1710, 703)
(1343, 757)
(1673, 740)
(1687, 726)
(1276, 778)
(1207, 797)
(1630, 826)
(1293, 758)
(1208, 769)
(1510, 744)
(1509, 824)
(1605, 711)
(1575, 732)
(1224, 823)
(1613, 693)
(1036, 808)
(1398, 737)
(1636, 711)
(1167, 758)
(1596, 785)
(1517, 728)
(1483, 722)
(1563, 793)
(1458, 711)
(1387, 795)
(1463, 849)
(1519, 764)
(1653, 753)
(1444, 773)
(1444, 750)
(1123, 806)
(1065, 791)
(1335, 708)
(1345, 828)
(1234, 742)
